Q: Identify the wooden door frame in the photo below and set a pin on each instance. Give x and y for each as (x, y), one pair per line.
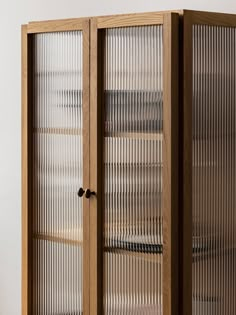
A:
(171, 213)
(170, 22)
(27, 32)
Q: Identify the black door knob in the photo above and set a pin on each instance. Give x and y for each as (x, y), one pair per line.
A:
(81, 192)
(88, 193)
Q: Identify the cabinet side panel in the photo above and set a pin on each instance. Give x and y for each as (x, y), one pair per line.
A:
(186, 169)
(213, 170)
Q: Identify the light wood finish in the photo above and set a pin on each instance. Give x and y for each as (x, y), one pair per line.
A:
(57, 239)
(24, 162)
(96, 170)
(133, 19)
(86, 163)
(77, 23)
(144, 256)
(186, 168)
(56, 26)
(170, 167)
(138, 19)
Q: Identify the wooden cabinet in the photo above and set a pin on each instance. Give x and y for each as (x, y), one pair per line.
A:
(128, 165)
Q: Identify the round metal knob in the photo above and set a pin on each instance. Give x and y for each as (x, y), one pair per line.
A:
(81, 192)
(88, 193)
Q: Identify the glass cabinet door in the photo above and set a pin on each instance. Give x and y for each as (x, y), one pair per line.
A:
(57, 173)
(107, 254)
(133, 97)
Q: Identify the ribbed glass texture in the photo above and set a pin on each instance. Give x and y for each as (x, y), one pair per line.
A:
(133, 170)
(214, 172)
(57, 173)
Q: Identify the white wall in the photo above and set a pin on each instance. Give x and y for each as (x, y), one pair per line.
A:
(13, 13)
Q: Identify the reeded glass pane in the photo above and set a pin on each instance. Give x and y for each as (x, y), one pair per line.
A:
(214, 172)
(133, 170)
(57, 145)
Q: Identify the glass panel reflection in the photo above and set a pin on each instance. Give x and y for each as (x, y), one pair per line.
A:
(57, 145)
(133, 170)
(214, 204)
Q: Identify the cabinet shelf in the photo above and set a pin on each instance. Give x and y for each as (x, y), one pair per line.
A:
(134, 164)
(158, 136)
(57, 131)
(153, 257)
(206, 248)
(145, 95)
(136, 247)
(211, 253)
(57, 239)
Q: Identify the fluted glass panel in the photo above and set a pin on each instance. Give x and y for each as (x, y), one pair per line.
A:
(133, 170)
(57, 174)
(214, 172)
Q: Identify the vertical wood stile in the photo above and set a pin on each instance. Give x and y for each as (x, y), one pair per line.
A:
(186, 196)
(96, 169)
(171, 211)
(86, 166)
(27, 173)
(24, 162)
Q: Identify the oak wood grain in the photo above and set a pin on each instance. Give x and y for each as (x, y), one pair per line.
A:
(56, 25)
(86, 164)
(24, 172)
(130, 20)
(96, 169)
(170, 166)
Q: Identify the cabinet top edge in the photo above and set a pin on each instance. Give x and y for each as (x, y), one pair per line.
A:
(66, 24)
(59, 25)
(76, 19)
